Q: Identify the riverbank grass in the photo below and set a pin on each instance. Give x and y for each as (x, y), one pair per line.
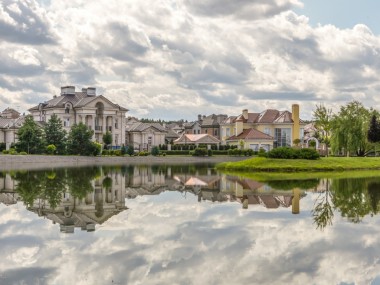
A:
(292, 165)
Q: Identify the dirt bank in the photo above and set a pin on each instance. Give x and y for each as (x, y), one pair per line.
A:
(12, 162)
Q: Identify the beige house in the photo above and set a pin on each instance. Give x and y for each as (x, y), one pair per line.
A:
(268, 129)
(95, 111)
(10, 122)
(143, 136)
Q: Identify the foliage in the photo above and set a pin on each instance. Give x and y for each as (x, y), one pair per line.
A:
(199, 151)
(143, 153)
(55, 134)
(79, 140)
(323, 123)
(2, 146)
(123, 150)
(107, 138)
(209, 152)
(97, 148)
(175, 152)
(374, 130)
(130, 150)
(50, 149)
(30, 137)
(262, 153)
(155, 151)
(107, 183)
(292, 153)
(350, 129)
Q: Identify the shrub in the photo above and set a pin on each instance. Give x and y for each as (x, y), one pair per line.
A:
(123, 150)
(200, 151)
(12, 151)
(96, 148)
(235, 152)
(23, 153)
(105, 152)
(51, 149)
(262, 153)
(5, 151)
(209, 152)
(155, 151)
(117, 152)
(291, 153)
(219, 152)
(130, 150)
(248, 152)
(143, 153)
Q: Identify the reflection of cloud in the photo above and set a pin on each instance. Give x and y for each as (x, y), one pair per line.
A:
(171, 239)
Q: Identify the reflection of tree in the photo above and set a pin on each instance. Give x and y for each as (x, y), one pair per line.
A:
(29, 185)
(53, 186)
(323, 212)
(350, 198)
(79, 180)
(291, 184)
(374, 196)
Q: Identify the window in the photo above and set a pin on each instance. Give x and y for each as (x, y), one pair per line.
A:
(67, 109)
(215, 132)
(195, 131)
(116, 124)
(66, 122)
(199, 131)
(267, 131)
(282, 137)
(228, 132)
(149, 140)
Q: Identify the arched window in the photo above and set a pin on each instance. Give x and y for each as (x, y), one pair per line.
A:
(67, 109)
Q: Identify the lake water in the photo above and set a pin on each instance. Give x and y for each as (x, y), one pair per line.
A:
(186, 225)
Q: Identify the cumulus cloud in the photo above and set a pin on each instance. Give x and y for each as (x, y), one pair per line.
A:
(175, 59)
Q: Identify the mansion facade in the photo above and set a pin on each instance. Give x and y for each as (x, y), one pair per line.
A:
(95, 111)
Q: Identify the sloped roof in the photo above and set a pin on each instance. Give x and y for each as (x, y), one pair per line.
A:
(198, 138)
(140, 127)
(171, 134)
(251, 134)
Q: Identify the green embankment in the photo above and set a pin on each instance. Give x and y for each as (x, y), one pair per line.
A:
(292, 165)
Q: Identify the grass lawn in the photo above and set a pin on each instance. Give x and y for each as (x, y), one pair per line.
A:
(296, 165)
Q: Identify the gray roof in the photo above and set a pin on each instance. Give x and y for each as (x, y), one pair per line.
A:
(140, 127)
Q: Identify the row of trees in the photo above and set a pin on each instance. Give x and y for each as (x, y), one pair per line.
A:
(354, 130)
(52, 138)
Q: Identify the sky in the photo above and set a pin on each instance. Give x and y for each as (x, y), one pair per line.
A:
(175, 59)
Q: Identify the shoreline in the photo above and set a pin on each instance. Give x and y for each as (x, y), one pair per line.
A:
(23, 162)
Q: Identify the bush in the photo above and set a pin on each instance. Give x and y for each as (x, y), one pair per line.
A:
(175, 152)
(5, 151)
(262, 153)
(117, 152)
(155, 151)
(209, 152)
(130, 150)
(199, 151)
(105, 152)
(12, 151)
(235, 152)
(23, 153)
(291, 153)
(248, 152)
(143, 153)
(51, 149)
(123, 150)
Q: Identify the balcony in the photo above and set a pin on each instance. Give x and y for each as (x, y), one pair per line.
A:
(98, 128)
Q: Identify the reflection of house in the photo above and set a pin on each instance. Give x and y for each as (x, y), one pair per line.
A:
(144, 181)
(96, 207)
(145, 135)
(8, 196)
(95, 111)
(283, 126)
(10, 122)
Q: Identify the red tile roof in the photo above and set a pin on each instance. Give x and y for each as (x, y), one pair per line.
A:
(251, 134)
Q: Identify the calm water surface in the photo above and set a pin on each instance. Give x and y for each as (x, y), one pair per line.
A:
(186, 225)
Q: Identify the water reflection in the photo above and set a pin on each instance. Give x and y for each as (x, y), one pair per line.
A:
(85, 197)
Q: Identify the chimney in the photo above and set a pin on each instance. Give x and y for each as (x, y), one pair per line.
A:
(91, 91)
(68, 90)
(296, 122)
(245, 114)
(199, 117)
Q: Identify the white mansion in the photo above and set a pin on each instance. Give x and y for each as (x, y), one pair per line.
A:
(95, 111)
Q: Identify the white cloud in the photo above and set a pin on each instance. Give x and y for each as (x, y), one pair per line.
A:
(174, 59)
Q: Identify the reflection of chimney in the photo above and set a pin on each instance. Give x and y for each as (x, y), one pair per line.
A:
(296, 201)
(245, 113)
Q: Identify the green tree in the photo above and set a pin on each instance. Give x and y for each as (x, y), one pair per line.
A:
(322, 121)
(79, 140)
(107, 139)
(155, 151)
(30, 137)
(130, 150)
(349, 129)
(55, 134)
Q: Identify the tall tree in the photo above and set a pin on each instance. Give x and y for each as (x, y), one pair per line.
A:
(322, 118)
(55, 134)
(374, 130)
(30, 137)
(349, 129)
(107, 138)
(79, 140)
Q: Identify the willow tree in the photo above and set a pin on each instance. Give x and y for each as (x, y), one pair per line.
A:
(349, 129)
